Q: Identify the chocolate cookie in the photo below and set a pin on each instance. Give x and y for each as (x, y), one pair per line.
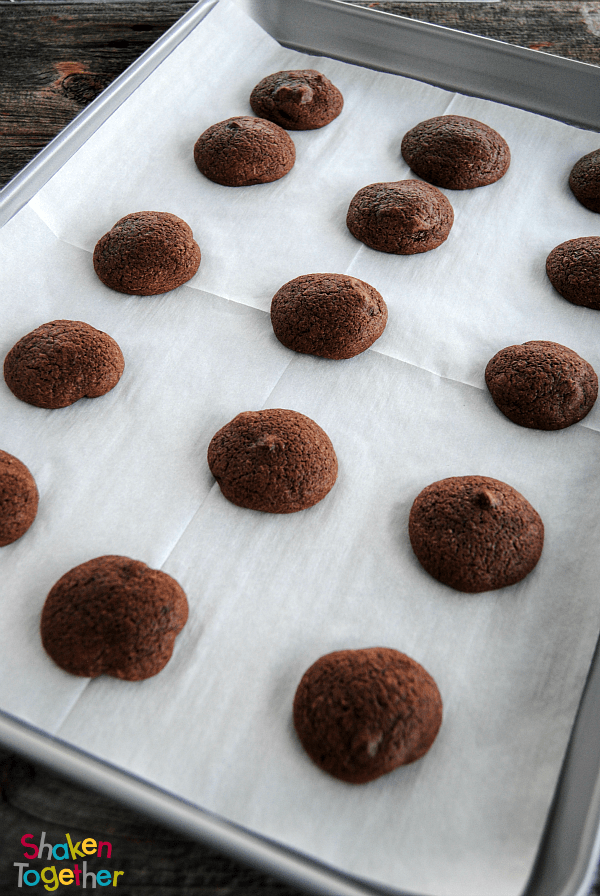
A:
(475, 533)
(297, 100)
(242, 151)
(278, 461)
(329, 315)
(146, 254)
(584, 180)
(62, 361)
(542, 385)
(18, 498)
(455, 152)
(113, 616)
(403, 217)
(573, 268)
(360, 714)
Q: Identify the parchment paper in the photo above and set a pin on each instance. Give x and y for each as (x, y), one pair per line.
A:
(268, 595)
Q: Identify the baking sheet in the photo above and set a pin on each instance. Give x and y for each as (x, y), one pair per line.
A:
(127, 473)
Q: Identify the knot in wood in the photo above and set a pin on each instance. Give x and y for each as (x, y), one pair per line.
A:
(83, 87)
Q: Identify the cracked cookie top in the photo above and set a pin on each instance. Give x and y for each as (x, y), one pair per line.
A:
(275, 460)
(404, 217)
(243, 151)
(573, 269)
(360, 714)
(328, 315)
(541, 385)
(584, 180)
(146, 254)
(299, 100)
(19, 498)
(62, 361)
(113, 616)
(455, 152)
(475, 533)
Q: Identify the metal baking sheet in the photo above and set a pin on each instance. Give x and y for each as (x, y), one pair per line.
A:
(544, 84)
(479, 66)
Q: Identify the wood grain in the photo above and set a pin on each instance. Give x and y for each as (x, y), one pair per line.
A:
(569, 28)
(56, 57)
(155, 861)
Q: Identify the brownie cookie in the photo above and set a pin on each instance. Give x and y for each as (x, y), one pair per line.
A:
(18, 498)
(403, 217)
(475, 533)
(542, 385)
(242, 151)
(360, 714)
(584, 180)
(62, 361)
(113, 616)
(278, 461)
(329, 315)
(146, 254)
(573, 268)
(455, 152)
(297, 100)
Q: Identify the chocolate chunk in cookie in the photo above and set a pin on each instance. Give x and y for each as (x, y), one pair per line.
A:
(402, 217)
(542, 385)
(584, 180)
(455, 152)
(276, 460)
(299, 100)
(242, 151)
(573, 268)
(360, 714)
(475, 533)
(146, 254)
(18, 498)
(329, 315)
(62, 361)
(113, 616)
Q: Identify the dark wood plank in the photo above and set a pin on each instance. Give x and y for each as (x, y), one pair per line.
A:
(569, 28)
(155, 861)
(56, 58)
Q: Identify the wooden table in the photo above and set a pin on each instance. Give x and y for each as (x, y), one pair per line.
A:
(55, 57)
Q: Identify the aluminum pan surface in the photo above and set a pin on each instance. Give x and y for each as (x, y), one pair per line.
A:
(242, 845)
(550, 85)
(479, 66)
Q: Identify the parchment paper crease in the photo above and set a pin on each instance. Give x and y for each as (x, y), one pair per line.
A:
(127, 473)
